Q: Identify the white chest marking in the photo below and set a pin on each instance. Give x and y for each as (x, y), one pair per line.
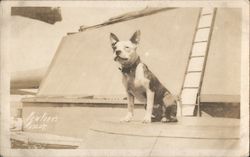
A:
(140, 78)
(137, 85)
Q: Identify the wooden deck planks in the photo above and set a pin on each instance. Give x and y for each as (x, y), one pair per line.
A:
(199, 133)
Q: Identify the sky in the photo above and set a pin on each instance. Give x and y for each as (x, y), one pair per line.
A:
(33, 43)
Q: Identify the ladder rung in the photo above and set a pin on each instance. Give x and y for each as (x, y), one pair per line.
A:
(189, 104)
(197, 56)
(190, 87)
(193, 71)
(206, 14)
(200, 41)
(203, 27)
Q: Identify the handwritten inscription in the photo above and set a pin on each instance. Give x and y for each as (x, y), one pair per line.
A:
(39, 120)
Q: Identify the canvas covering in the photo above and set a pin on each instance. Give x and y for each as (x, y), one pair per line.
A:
(83, 64)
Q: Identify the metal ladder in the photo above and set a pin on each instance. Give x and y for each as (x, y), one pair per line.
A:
(191, 86)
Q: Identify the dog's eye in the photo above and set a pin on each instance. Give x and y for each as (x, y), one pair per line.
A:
(126, 48)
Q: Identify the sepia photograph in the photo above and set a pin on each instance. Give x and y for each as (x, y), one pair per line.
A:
(125, 78)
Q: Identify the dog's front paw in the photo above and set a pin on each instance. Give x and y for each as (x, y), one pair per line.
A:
(147, 119)
(127, 118)
(167, 120)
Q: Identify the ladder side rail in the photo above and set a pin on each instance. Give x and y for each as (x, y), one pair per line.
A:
(205, 62)
(190, 54)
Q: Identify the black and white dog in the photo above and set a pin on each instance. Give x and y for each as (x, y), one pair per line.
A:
(142, 84)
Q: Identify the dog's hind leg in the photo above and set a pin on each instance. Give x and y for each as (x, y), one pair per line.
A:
(157, 113)
(172, 111)
(170, 107)
(163, 116)
(170, 114)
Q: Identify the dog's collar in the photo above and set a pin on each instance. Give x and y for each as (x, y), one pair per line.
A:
(128, 69)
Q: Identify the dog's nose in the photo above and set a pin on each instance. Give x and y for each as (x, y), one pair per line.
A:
(118, 52)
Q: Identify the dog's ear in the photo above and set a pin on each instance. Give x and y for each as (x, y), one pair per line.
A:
(113, 39)
(136, 37)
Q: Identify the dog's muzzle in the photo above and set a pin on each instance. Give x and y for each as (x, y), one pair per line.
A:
(120, 58)
(118, 52)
